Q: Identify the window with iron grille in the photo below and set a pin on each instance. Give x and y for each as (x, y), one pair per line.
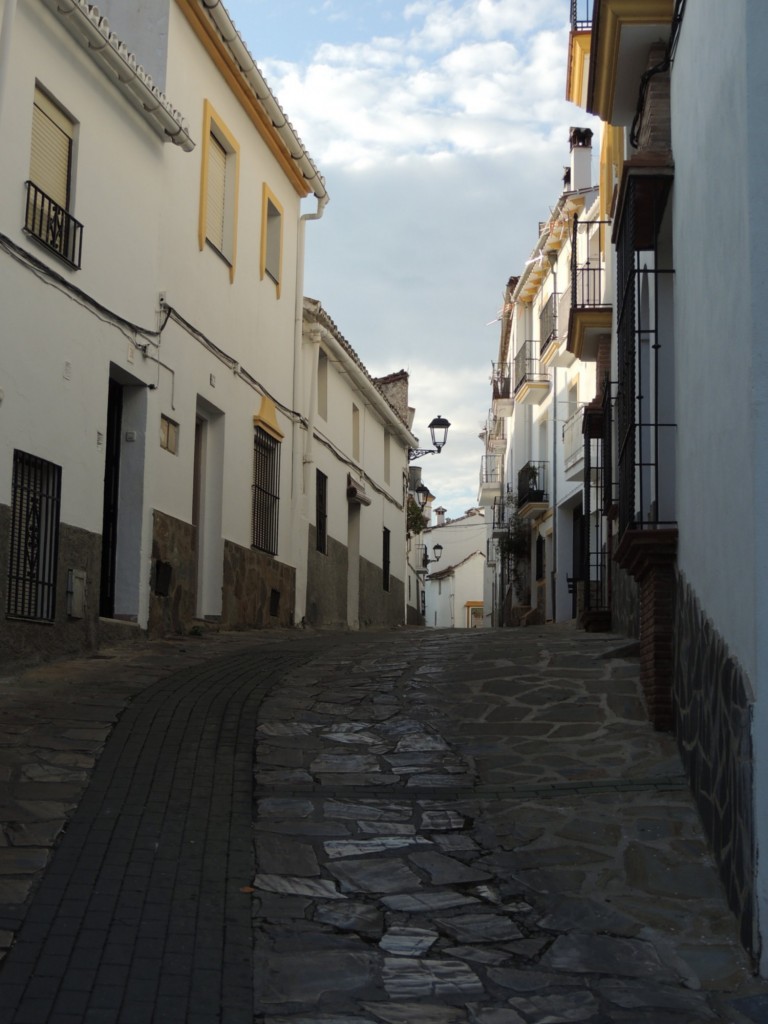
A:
(35, 505)
(385, 558)
(266, 487)
(321, 511)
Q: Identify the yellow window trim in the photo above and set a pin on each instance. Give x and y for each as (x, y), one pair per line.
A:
(266, 419)
(212, 123)
(219, 53)
(267, 197)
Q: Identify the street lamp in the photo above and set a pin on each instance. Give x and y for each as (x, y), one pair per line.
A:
(422, 496)
(437, 551)
(438, 430)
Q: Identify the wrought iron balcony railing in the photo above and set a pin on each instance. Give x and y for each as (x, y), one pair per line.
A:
(581, 15)
(532, 483)
(548, 321)
(528, 365)
(50, 224)
(491, 469)
(501, 380)
(588, 264)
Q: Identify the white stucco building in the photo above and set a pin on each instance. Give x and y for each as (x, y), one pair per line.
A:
(453, 583)
(536, 478)
(355, 466)
(157, 404)
(680, 88)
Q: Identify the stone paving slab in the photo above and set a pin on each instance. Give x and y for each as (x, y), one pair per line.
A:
(420, 827)
(566, 877)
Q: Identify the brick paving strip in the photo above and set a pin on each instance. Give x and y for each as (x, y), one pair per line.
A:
(139, 915)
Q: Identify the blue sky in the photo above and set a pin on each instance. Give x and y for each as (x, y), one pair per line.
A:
(441, 127)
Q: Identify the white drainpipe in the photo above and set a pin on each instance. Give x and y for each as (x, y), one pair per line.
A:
(300, 512)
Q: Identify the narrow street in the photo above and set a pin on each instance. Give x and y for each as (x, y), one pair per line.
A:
(446, 827)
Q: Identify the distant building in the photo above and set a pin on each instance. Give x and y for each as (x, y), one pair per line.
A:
(453, 559)
(355, 463)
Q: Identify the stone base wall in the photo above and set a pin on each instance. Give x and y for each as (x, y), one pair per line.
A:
(327, 583)
(258, 591)
(413, 616)
(23, 641)
(380, 607)
(713, 724)
(625, 602)
(173, 585)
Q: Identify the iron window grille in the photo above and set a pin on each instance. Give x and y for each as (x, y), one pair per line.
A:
(35, 510)
(644, 437)
(50, 224)
(266, 488)
(321, 511)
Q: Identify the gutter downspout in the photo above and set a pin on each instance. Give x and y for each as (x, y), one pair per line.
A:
(6, 32)
(299, 496)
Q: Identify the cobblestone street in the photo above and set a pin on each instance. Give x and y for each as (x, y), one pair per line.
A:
(446, 827)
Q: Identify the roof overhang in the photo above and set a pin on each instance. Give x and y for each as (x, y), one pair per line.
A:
(92, 32)
(623, 31)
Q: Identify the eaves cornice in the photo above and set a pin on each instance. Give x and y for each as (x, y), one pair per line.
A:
(92, 32)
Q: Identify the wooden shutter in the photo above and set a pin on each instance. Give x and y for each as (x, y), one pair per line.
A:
(51, 156)
(217, 193)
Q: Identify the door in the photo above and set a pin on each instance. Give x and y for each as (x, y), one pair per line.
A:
(111, 500)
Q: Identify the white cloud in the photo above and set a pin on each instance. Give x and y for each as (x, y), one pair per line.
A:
(385, 98)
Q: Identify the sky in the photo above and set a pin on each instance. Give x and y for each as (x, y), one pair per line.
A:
(441, 129)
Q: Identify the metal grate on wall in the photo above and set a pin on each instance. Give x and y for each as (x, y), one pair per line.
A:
(266, 491)
(34, 538)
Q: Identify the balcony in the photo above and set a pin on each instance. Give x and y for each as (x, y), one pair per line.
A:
(502, 516)
(581, 15)
(573, 445)
(554, 351)
(501, 383)
(51, 225)
(591, 311)
(531, 380)
(491, 473)
(578, 51)
(494, 434)
(532, 496)
(623, 33)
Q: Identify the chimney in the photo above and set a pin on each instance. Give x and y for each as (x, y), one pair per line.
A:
(440, 513)
(581, 158)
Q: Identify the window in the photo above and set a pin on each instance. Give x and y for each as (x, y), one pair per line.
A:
(35, 504)
(355, 433)
(219, 188)
(49, 189)
(385, 559)
(169, 435)
(321, 511)
(271, 238)
(322, 384)
(266, 483)
(387, 455)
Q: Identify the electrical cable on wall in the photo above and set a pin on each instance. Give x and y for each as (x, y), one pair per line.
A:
(153, 337)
